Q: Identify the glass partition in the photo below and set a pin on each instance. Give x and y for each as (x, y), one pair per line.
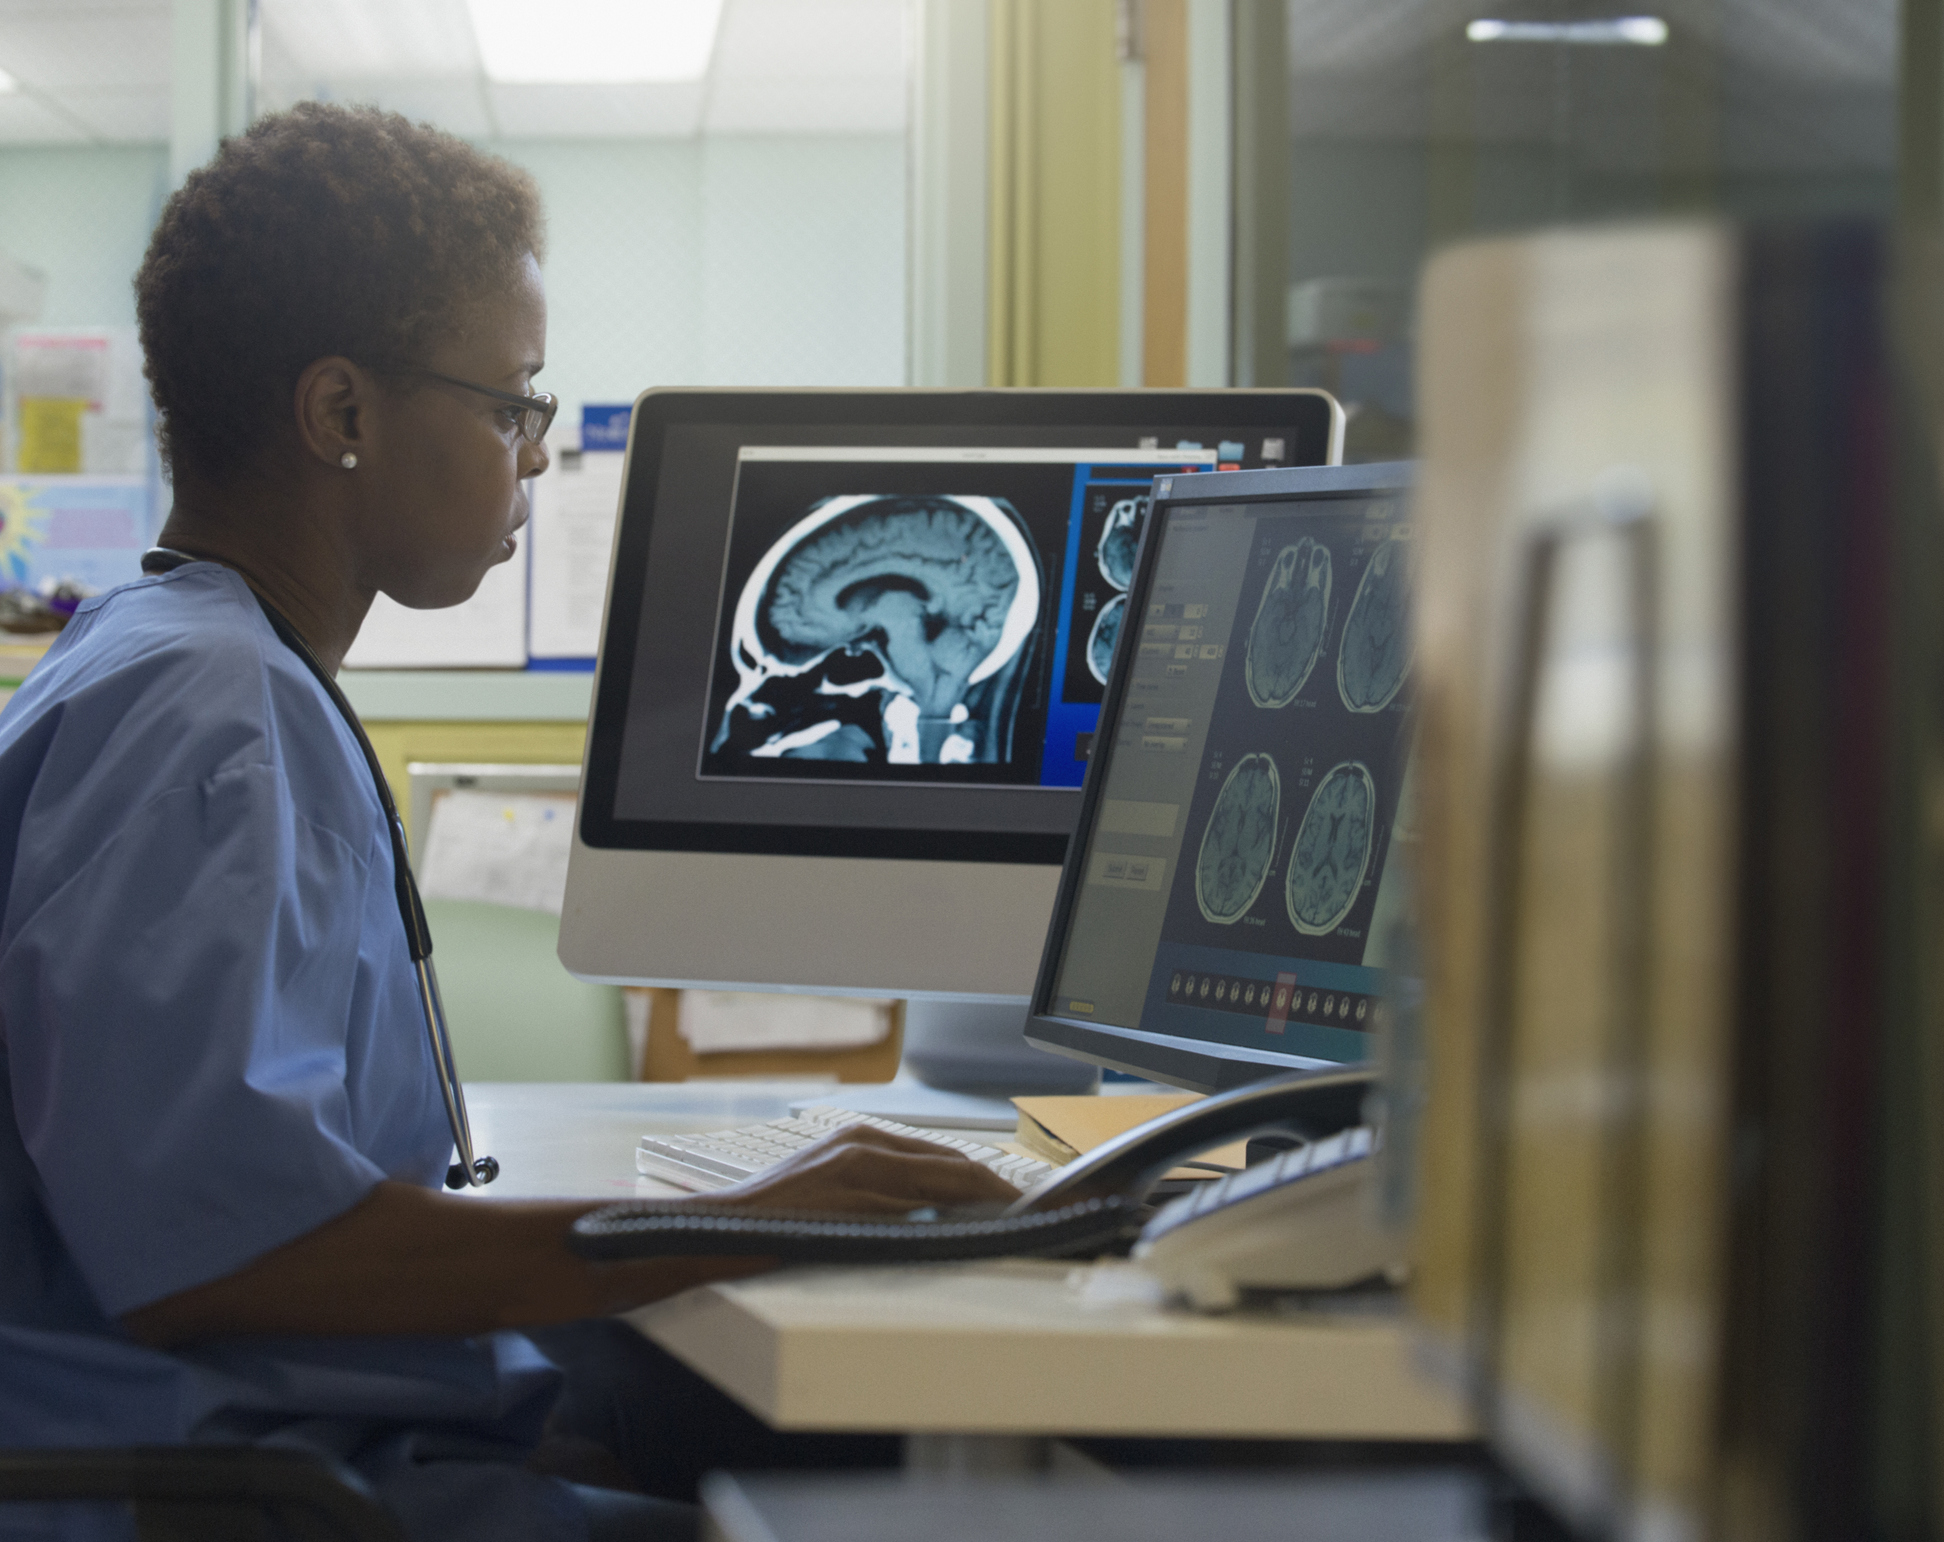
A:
(1370, 132)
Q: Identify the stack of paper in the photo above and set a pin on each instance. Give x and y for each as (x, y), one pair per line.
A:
(1059, 1129)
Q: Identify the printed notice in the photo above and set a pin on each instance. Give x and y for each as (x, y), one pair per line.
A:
(505, 848)
(571, 535)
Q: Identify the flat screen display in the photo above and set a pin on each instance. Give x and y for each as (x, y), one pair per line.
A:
(929, 616)
(884, 632)
(1237, 883)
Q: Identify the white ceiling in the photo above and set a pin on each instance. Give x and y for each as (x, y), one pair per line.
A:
(97, 71)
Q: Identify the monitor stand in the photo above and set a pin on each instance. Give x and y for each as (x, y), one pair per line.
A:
(962, 1062)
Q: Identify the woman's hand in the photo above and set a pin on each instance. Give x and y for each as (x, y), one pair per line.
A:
(408, 1260)
(863, 1170)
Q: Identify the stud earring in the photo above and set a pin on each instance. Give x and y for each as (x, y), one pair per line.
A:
(348, 461)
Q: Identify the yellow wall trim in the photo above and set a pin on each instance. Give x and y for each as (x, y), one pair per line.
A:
(1053, 313)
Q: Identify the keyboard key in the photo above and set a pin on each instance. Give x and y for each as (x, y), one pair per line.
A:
(1293, 1163)
(1251, 1180)
(1326, 1153)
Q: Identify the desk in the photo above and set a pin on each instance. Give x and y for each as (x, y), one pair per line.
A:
(1036, 1347)
(1009, 1349)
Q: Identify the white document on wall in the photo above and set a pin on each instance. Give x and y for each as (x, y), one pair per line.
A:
(487, 632)
(574, 507)
(505, 848)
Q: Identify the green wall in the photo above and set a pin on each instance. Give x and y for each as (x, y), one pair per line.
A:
(739, 260)
(516, 1015)
(82, 215)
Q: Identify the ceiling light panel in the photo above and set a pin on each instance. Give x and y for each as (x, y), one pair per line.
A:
(595, 41)
(328, 40)
(8, 83)
(1637, 31)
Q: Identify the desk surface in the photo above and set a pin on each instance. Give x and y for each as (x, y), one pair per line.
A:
(576, 1140)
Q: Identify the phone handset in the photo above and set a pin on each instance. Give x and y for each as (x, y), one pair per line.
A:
(1310, 1105)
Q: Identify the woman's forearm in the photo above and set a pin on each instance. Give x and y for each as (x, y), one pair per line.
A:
(408, 1260)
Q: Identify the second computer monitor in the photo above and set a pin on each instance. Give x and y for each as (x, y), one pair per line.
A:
(1233, 906)
(855, 647)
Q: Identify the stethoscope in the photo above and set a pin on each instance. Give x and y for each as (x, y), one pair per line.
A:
(468, 1170)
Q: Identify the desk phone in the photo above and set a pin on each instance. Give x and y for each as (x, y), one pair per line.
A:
(1228, 1236)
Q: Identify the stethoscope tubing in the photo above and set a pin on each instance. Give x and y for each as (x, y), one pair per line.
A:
(470, 1170)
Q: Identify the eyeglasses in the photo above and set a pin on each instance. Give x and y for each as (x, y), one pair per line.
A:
(538, 411)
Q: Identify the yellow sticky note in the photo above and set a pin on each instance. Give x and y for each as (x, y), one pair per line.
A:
(50, 433)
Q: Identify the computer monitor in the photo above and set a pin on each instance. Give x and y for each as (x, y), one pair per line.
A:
(1234, 895)
(853, 654)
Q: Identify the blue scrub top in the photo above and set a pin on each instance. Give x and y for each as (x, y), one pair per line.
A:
(211, 1044)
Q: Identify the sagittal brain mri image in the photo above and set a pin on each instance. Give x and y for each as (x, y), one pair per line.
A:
(1376, 649)
(1240, 840)
(1106, 631)
(888, 629)
(1290, 624)
(1332, 850)
(1118, 541)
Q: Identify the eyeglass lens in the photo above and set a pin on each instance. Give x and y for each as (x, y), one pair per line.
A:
(535, 421)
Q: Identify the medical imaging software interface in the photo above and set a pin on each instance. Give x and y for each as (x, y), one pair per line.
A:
(1255, 784)
(922, 615)
(858, 635)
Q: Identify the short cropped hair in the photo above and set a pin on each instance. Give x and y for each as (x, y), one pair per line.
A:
(323, 230)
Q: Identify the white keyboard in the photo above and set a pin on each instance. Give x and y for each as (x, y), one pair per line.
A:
(718, 1158)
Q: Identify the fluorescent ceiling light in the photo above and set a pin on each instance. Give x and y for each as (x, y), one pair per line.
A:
(8, 83)
(1643, 31)
(588, 41)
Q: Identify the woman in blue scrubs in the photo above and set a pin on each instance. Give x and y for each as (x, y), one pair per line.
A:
(221, 1136)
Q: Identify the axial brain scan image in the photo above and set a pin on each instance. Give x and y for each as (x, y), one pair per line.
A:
(885, 629)
(1290, 624)
(1118, 541)
(1376, 649)
(1240, 840)
(1332, 850)
(1100, 642)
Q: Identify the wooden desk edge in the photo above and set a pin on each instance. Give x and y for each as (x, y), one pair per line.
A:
(1338, 1378)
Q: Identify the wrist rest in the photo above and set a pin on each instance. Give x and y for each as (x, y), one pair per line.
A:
(673, 1228)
